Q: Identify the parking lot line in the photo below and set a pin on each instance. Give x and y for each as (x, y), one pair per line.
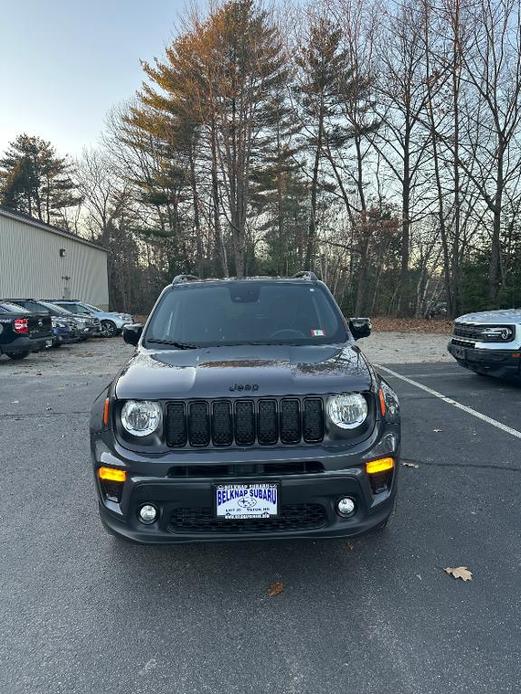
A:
(437, 374)
(454, 403)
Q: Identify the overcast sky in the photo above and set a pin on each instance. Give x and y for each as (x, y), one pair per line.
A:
(65, 63)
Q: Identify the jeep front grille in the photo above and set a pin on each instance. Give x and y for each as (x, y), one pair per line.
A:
(245, 422)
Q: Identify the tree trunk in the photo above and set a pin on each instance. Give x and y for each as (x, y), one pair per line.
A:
(220, 247)
(310, 246)
(197, 222)
(494, 270)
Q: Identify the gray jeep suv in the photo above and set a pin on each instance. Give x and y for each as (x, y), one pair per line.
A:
(247, 411)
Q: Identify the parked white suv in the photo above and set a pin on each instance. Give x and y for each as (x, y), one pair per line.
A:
(488, 342)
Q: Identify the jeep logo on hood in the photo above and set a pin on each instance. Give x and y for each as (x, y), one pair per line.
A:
(244, 386)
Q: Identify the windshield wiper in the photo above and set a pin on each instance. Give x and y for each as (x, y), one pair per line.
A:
(173, 343)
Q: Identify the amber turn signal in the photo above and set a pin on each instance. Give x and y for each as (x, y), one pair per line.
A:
(106, 412)
(112, 474)
(381, 465)
(383, 406)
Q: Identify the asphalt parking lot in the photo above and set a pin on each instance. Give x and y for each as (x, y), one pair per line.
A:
(80, 612)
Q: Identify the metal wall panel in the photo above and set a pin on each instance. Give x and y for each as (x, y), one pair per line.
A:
(31, 265)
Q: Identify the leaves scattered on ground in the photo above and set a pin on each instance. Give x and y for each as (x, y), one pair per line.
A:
(275, 588)
(411, 325)
(406, 463)
(459, 572)
(350, 546)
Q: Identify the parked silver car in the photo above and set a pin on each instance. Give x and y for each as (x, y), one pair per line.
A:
(111, 323)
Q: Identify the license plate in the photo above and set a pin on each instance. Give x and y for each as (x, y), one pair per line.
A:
(243, 501)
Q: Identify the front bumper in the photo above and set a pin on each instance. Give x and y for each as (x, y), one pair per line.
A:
(90, 330)
(26, 344)
(307, 501)
(120, 323)
(504, 363)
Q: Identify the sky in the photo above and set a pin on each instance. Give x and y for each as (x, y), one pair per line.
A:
(65, 63)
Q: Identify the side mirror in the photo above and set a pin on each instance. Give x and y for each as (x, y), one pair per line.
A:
(360, 327)
(132, 333)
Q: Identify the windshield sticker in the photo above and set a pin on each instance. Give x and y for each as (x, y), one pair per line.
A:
(317, 333)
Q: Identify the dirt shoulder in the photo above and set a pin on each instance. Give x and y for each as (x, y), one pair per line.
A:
(405, 347)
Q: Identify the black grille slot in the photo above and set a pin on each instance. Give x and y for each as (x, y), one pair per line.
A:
(244, 423)
(240, 470)
(268, 430)
(222, 426)
(313, 420)
(290, 421)
(176, 424)
(291, 517)
(199, 424)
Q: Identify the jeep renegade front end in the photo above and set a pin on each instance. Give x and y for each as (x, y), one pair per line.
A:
(247, 411)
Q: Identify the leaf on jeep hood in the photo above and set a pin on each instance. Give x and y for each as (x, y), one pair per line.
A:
(459, 572)
(275, 588)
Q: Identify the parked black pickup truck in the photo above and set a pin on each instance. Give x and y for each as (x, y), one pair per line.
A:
(22, 332)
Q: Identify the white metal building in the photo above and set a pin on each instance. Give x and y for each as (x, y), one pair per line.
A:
(39, 261)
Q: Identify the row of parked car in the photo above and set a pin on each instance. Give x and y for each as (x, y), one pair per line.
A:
(30, 325)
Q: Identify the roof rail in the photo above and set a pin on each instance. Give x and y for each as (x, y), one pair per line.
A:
(306, 275)
(184, 278)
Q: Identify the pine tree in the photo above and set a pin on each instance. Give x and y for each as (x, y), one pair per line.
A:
(34, 180)
(279, 193)
(221, 78)
(321, 64)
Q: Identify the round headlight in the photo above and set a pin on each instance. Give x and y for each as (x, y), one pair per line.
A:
(140, 417)
(347, 411)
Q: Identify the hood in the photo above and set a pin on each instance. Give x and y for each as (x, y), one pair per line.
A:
(241, 371)
(509, 315)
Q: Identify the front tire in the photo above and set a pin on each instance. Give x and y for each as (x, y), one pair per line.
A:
(17, 356)
(108, 328)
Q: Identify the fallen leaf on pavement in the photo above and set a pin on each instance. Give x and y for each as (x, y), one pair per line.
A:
(437, 431)
(349, 546)
(459, 572)
(406, 464)
(275, 589)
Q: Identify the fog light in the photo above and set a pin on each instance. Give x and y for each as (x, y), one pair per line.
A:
(345, 506)
(147, 514)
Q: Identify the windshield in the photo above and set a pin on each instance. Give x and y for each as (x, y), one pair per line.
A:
(247, 312)
(76, 308)
(8, 307)
(55, 308)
